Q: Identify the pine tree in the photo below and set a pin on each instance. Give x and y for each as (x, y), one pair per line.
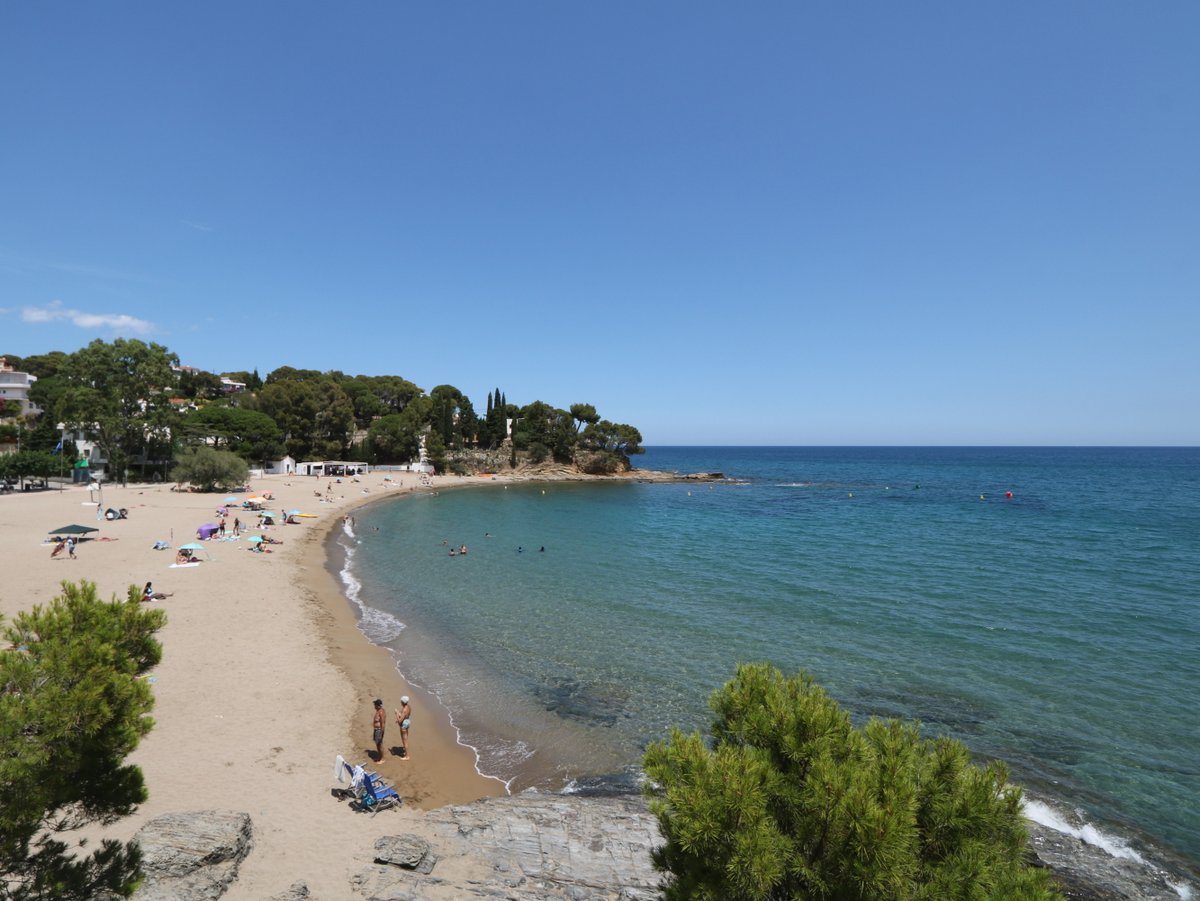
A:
(72, 708)
(793, 801)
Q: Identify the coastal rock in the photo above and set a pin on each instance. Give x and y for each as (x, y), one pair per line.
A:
(410, 852)
(192, 856)
(1088, 873)
(298, 891)
(554, 846)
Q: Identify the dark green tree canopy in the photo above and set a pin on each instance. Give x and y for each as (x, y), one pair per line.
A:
(72, 708)
(793, 801)
(315, 415)
(542, 429)
(249, 434)
(195, 384)
(394, 438)
(120, 393)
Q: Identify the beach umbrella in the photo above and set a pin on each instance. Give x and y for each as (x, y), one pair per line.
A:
(256, 499)
(74, 530)
(191, 547)
(231, 500)
(293, 513)
(255, 538)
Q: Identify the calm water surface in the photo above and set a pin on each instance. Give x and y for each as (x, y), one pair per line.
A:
(1057, 629)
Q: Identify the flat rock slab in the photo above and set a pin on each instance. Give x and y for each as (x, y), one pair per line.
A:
(192, 856)
(555, 846)
(408, 851)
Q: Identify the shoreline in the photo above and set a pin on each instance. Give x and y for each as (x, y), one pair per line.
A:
(443, 769)
(265, 675)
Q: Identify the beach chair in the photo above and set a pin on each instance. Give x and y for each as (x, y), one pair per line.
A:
(367, 790)
(377, 795)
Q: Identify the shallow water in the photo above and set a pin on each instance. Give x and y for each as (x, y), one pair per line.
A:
(1056, 629)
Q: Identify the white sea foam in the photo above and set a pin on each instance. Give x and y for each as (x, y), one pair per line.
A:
(1047, 816)
(377, 625)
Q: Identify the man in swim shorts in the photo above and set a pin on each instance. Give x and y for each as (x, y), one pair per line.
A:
(377, 729)
(404, 720)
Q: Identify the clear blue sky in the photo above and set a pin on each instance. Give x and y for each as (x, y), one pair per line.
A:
(765, 223)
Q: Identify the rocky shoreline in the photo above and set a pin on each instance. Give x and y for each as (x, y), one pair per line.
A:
(534, 847)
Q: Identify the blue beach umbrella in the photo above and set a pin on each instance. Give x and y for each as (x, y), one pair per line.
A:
(255, 538)
(293, 513)
(231, 500)
(191, 547)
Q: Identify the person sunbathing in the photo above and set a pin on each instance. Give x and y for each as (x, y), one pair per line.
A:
(149, 594)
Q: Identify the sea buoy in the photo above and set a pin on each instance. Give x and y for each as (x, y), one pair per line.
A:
(1008, 494)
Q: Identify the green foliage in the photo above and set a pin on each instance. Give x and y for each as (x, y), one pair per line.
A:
(452, 416)
(313, 412)
(250, 379)
(394, 439)
(209, 469)
(31, 464)
(584, 414)
(197, 384)
(541, 424)
(435, 451)
(119, 394)
(40, 366)
(793, 801)
(72, 707)
(249, 434)
(612, 437)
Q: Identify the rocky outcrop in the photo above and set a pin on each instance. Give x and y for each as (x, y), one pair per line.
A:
(535, 847)
(192, 856)
(1088, 873)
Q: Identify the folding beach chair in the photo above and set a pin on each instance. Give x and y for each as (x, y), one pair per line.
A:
(367, 790)
(377, 795)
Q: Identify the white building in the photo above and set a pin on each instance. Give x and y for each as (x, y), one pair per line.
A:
(15, 386)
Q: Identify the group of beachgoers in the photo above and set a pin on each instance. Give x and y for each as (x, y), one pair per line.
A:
(379, 723)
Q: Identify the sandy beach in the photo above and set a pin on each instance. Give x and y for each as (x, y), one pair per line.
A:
(265, 677)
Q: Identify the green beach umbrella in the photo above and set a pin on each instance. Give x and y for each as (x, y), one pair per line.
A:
(74, 530)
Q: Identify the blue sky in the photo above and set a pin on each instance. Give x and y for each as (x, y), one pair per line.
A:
(768, 223)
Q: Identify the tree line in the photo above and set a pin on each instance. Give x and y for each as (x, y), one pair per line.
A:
(142, 409)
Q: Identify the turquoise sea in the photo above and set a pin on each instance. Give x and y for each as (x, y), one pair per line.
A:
(1057, 628)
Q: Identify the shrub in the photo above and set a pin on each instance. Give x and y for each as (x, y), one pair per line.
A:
(793, 801)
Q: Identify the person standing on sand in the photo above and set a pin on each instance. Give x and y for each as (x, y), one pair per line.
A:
(71, 548)
(404, 720)
(377, 726)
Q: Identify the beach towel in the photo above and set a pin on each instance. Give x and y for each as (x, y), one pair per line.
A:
(339, 768)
